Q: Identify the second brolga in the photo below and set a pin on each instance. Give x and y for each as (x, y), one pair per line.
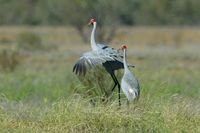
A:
(129, 83)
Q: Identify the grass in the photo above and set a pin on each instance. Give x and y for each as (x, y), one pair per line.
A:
(43, 95)
(76, 115)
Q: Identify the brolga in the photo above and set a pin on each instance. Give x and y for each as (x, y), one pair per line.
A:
(110, 58)
(129, 83)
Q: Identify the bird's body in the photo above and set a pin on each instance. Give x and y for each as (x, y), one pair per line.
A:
(130, 86)
(129, 83)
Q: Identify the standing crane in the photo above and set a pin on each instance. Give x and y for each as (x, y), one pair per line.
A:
(101, 54)
(129, 83)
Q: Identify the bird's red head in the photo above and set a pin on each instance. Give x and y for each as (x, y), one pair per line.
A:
(92, 21)
(124, 47)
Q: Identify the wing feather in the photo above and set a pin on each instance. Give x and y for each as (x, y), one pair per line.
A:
(116, 54)
(90, 60)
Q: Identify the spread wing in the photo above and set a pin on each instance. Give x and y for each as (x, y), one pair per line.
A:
(90, 60)
(116, 54)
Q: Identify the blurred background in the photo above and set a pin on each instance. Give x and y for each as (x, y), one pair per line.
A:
(40, 40)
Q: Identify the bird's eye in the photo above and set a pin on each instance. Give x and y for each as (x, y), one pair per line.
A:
(124, 46)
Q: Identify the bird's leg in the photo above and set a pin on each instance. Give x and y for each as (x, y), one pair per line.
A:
(119, 94)
(114, 87)
(115, 84)
(116, 81)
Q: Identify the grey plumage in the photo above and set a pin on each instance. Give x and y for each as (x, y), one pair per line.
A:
(130, 86)
(129, 83)
(110, 58)
(90, 60)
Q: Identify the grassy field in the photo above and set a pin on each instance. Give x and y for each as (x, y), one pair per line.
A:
(41, 94)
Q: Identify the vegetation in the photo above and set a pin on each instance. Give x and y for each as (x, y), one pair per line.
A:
(9, 60)
(164, 12)
(29, 41)
(43, 95)
(113, 12)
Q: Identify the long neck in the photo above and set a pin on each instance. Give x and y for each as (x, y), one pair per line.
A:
(125, 62)
(93, 42)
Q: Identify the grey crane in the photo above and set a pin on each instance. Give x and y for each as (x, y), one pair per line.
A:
(129, 83)
(101, 54)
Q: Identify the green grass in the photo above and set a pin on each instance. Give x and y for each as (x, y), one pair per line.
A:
(75, 114)
(40, 100)
(43, 95)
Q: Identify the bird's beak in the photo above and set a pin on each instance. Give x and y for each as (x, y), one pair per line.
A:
(89, 23)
